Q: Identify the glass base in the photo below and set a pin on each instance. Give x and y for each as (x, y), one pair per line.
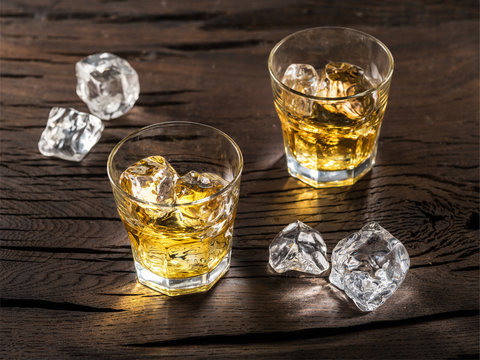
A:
(320, 178)
(173, 287)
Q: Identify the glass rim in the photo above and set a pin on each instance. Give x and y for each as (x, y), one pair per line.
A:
(175, 205)
(382, 84)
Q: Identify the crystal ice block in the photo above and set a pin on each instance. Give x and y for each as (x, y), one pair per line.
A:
(302, 78)
(369, 266)
(298, 247)
(152, 179)
(69, 134)
(107, 84)
(195, 186)
(340, 79)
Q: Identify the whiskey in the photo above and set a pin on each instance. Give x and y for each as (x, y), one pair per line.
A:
(181, 236)
(329, 140)
(326, 134)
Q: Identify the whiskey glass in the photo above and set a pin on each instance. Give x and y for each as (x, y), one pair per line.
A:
(331, 131)
(180, 248)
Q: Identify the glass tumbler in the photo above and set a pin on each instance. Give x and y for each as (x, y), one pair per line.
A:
(182, 245)
(330, 89)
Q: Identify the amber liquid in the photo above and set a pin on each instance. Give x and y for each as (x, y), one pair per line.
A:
(332, 135)
(173, 250)
(181, 241)
(329, 141)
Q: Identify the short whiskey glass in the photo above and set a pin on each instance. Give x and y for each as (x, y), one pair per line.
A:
(180, 247)
(330, 128)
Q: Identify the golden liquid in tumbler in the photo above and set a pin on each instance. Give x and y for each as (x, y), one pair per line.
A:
(180, 241)
(332, 135)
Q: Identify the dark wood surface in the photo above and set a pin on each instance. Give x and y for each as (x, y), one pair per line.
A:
(68, 285)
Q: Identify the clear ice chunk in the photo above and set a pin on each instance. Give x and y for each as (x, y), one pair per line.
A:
(298, 247)
(302, 78)
(152, 179)
(69, 134)
(343, 79)
(195, 186)
(107, 84)
(369, 266)
(340, 79)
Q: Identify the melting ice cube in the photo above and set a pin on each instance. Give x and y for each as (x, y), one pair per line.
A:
(107, 84)
(69, 134)
(152, 179)
(369, 266)
(298, 247)
(340, 79)
(302, 78)
(195, 186)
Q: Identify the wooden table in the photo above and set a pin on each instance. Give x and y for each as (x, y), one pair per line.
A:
(68, 284)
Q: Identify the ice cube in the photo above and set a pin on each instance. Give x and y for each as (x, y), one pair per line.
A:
(69, 134)
(344, 79)
(298, 247)
(369, 266)
(302, 78)
(152, 179)
(340, 79)
(195, 186)
(107, 84)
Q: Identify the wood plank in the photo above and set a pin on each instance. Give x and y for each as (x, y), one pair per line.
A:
(68, 287)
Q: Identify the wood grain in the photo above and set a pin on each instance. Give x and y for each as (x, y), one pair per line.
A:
(68, 284)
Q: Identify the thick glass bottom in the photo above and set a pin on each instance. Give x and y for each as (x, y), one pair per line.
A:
(174, 287)
(320, 178)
